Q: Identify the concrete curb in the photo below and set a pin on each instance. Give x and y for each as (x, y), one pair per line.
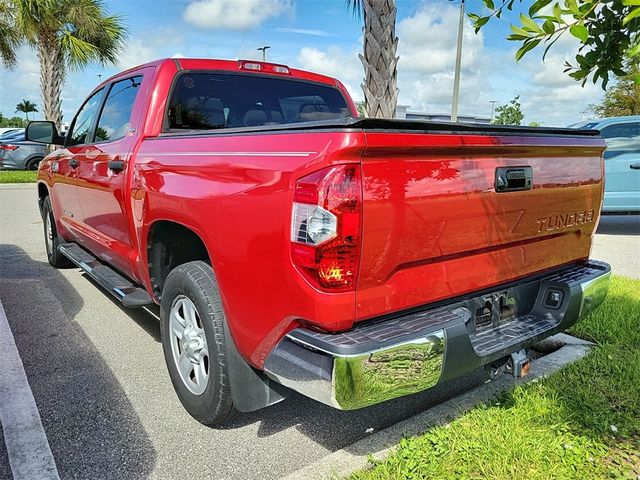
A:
(17, 186)
(354, 457)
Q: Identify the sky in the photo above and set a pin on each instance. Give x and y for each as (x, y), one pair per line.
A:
(324, 36)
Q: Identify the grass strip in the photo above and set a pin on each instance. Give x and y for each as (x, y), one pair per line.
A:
(583, 422)
(18, 176)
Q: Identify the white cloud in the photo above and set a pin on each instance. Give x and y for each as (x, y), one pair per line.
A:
(551, 94)
(233, 14)
(23, 82)
(304, 31)
(335, 62)
(136, 53)
(427, 51)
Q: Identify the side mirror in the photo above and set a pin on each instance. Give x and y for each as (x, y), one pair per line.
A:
(43, 132)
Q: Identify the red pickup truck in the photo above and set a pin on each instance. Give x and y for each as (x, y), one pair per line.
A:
(292, 246)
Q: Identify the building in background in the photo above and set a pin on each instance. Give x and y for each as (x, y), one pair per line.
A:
(402, 111)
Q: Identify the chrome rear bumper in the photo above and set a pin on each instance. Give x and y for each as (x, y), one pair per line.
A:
(392, 357)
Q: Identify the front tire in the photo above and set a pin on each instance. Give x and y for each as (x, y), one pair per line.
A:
(193, 341)
(51, 239)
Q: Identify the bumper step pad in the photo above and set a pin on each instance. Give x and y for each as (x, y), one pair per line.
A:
(120, 287)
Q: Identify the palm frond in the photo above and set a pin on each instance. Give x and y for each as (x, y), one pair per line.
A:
(356, 7)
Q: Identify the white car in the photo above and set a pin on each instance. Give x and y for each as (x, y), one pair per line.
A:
(10, 130)
(621, 161)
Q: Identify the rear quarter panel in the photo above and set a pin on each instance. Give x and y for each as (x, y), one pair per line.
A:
(235, 192)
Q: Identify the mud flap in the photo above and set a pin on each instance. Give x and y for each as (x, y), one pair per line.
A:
(251, 389)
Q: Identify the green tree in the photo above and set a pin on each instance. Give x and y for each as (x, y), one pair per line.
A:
(26, 107)
(379, 58)
(623, 98)
(362, 110)
(66, 34)
(11, 122)
(608, 31)
(509, 114)
(535, 124)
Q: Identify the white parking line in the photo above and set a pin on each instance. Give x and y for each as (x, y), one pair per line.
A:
(27, 447)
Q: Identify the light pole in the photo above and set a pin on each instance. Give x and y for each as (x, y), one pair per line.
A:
(493, 104)
(456, 78)
(264, 52)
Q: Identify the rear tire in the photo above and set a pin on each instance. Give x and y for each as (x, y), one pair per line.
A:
(193, 341)
(51, 239)
(34, 163)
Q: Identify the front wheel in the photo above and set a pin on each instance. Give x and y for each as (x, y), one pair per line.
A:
(193, 341)
(51, 239)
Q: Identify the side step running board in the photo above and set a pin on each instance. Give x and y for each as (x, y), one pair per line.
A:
(123, 289)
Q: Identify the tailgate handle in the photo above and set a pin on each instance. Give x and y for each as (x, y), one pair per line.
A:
(511, 179)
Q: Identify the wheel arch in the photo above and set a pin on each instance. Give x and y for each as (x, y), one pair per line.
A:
(43, 192)
(170, 244)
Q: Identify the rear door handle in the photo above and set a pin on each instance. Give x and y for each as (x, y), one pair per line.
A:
(73, 163)
(635, 166)
(116, 165)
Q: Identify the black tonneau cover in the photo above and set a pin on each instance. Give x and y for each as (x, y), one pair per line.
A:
(395, 126)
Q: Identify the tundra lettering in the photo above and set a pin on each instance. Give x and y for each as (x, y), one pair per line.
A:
(291, 246)
(557, 222)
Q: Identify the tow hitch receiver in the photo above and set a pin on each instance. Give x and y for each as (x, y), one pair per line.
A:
(518, 364)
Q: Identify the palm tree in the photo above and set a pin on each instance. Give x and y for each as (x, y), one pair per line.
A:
(379, 60)
(25, 106)
(65, 34)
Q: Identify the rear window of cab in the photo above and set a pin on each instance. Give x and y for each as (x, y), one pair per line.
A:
(204, 101)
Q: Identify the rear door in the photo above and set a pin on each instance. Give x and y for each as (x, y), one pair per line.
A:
(622, 166)
(104, 170)
(436, 224)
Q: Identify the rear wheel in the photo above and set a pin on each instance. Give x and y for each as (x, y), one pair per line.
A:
(192, 327)
(51, 239)
(34, 163)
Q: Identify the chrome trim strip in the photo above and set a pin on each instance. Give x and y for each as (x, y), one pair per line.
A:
(227, 154)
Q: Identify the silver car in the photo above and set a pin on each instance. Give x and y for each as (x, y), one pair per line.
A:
(16, 153)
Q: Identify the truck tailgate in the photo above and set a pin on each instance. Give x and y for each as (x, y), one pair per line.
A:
(435, 225)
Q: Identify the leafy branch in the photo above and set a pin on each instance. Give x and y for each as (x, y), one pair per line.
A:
(607, 31)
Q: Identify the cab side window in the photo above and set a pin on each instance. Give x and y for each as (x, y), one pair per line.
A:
(80, 130)
(113, 123)
(622, 138)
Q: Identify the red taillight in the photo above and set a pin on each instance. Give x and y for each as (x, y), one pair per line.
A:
(325, 226)
(6, 146)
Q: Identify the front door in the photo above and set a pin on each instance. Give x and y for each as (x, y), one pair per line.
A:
(622, 166)
(103, 175)
(64, 166)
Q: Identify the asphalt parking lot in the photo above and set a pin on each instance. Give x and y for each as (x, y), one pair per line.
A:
(106, 402)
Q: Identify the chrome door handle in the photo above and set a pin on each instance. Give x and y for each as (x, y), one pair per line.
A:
(635, 166)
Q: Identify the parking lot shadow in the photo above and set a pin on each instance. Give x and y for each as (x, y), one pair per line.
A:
(90, 423)
(619, 225)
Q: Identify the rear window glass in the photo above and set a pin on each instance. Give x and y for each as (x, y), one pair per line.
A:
(210, 100)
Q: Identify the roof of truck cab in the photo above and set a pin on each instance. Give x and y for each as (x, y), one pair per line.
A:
(228, 66)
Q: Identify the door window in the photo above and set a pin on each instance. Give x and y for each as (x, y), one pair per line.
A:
(80, 130)
(113, 123)
(622, 138)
